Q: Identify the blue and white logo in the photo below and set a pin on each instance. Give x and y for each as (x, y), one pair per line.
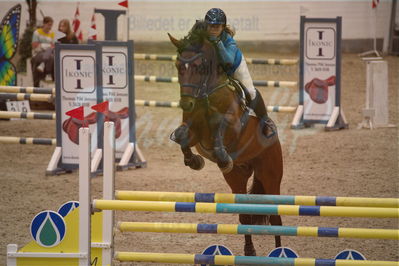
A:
(350, 254)
(216, 250)
(48, 228)
(67, 207)
(283, 252)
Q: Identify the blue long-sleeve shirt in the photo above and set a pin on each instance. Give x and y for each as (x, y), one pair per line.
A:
(229, 53)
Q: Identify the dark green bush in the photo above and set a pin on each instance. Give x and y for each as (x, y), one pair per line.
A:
(25, 49)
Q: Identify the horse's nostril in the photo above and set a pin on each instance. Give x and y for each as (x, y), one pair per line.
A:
(186, 106)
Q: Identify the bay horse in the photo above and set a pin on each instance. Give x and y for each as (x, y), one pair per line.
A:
(217, 122)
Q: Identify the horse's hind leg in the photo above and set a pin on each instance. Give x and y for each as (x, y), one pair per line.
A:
(276, 220)
(237, 179)
(268, 169)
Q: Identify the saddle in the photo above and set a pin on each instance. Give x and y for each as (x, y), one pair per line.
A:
(71, 126)
(269, 128)
(318, 89)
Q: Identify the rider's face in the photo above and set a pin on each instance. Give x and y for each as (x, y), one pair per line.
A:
(215, 29)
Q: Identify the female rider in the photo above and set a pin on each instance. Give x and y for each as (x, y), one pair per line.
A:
(232, 58)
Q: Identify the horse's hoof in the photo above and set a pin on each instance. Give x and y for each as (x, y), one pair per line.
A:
(249, 250)
(226, 167)
(197, 162)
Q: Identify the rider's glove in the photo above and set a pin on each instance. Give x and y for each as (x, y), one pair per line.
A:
(214, 39)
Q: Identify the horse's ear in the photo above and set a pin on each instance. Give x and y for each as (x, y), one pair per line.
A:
(174, 41)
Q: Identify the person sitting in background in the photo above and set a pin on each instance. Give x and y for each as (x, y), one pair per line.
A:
(65, 27)
(43, 52)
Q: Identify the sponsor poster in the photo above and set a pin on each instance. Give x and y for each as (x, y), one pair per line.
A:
(320, 68)
(78, 83)
(118, 90)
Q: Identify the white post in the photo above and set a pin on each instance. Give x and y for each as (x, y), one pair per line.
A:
(375, 21)
(84, 196)
(377, 92)
(108, 189)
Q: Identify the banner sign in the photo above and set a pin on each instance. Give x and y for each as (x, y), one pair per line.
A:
(118, 90)
(78, 83)
(320, 68)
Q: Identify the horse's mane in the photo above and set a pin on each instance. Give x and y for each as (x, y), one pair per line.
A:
(194, 40)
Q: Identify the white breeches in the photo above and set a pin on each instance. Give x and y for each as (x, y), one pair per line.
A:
(242, 74)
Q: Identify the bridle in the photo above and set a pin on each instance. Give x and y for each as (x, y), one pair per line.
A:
(199, 91)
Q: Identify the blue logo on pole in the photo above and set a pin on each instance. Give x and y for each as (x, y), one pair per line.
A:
(67, 207)
(283, 252)
(216, 250)
(48, 228)
(350, 254)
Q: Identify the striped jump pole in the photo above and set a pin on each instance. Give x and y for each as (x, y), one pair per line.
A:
(19, 140)
(270, 108)
(27, 115)
(16, 89)
(266, 83)
(156, 79)
(256, 199)
(271, 61)
(281, 109)
(254, 61)
(259, 209)
(237, 260)
(156, 103)
(158, 57)
(26, 96)
(235, 229)
(276, 84)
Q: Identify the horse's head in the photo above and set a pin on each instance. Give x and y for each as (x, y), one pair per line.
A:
(198, 69)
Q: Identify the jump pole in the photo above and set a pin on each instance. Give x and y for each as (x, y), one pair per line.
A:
(272, 209)
(257, 61)
(20, 140)
(27, 115)
(265, 83)
(18, 89)
(236, 229)
(256, 199)
(35, 97)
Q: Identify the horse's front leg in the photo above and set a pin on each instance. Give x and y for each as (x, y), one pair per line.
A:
(224, 161)
(182, 137)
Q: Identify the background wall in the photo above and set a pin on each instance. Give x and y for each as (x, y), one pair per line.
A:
(256, 20)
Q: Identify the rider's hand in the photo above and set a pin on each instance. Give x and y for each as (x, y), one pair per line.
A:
(214, 39)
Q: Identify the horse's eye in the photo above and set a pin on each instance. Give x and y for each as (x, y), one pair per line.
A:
(202, 69)
(181, 69)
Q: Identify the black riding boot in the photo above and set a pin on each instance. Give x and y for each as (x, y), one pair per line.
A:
(258, 105)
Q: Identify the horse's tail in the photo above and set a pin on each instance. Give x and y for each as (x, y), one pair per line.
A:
(257, 188)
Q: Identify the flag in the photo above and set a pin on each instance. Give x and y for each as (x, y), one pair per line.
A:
(124, 3)
(101, 107)
(76, 25)
(77, 113)
(93, 28)
(375, 3)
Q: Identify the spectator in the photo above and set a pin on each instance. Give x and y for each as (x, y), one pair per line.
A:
(43, 52)
(65, 27)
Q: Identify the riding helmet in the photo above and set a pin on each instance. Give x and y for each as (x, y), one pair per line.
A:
(215, 16)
